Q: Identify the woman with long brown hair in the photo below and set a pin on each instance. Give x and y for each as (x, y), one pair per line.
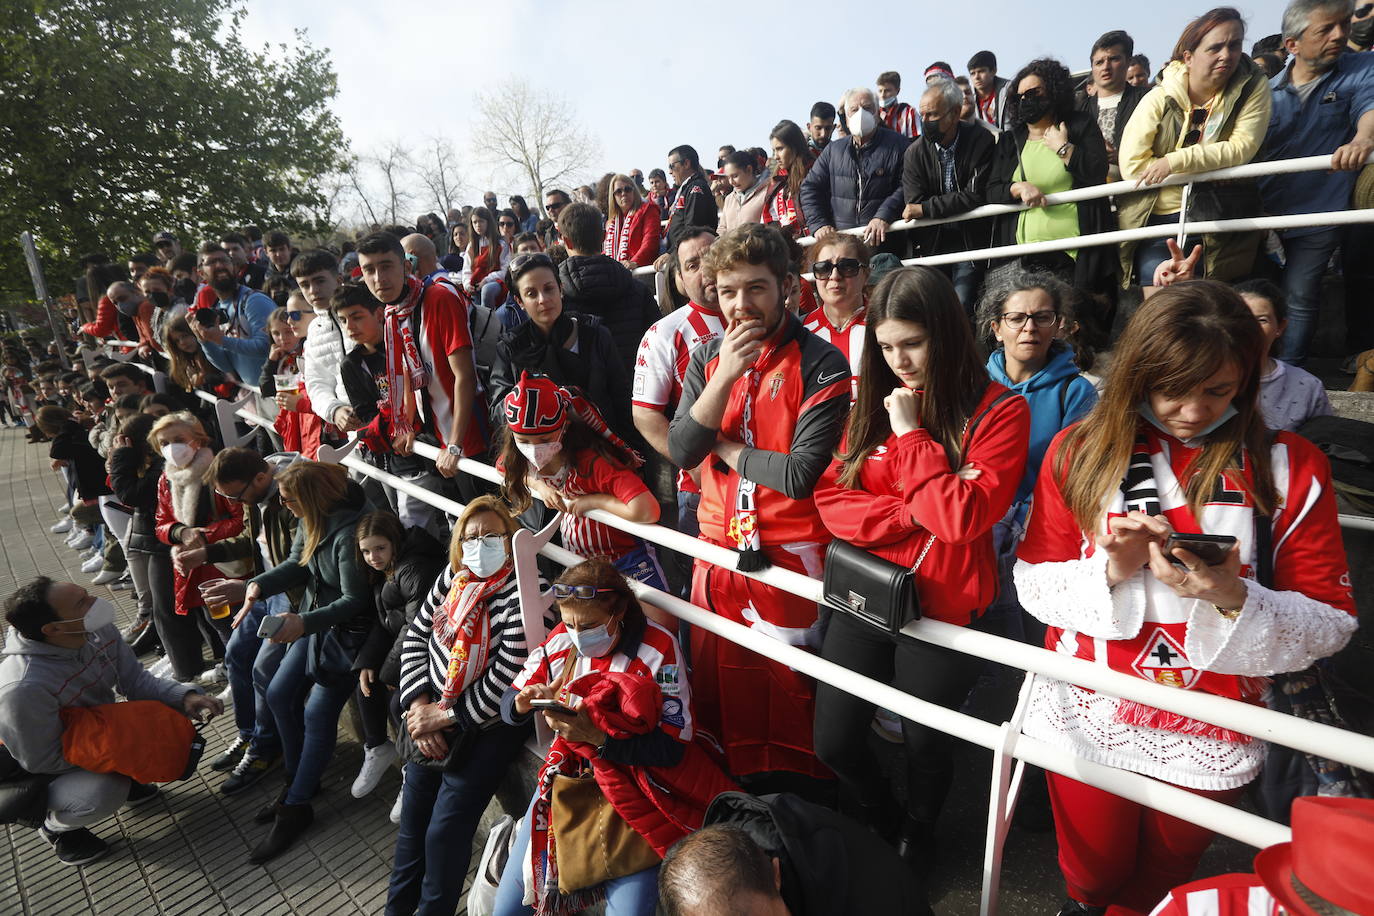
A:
(930, 462)
(793, 157)
(324, 634)
(633, 225)
(1176, 444)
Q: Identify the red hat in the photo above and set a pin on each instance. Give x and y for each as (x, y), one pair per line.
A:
(535, 406)
(1325, 870)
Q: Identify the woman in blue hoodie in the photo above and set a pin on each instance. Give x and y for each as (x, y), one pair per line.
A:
(1027, 316)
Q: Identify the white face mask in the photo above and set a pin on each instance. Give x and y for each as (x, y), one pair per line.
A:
(861, 123)
(539, 453)
(178, 454)
(100, 614)
(484, 556)
(887, 102)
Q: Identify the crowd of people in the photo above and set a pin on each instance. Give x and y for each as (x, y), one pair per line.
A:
(826, 411)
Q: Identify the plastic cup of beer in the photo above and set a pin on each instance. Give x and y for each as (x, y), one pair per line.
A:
(217, 611)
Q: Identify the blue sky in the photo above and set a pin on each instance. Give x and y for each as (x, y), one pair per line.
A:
(644, 77)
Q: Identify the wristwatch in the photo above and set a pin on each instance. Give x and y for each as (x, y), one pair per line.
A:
(454, 450)
(452, 713)
(1062, 150)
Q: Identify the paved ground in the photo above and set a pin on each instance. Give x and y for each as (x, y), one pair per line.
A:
(186, 853)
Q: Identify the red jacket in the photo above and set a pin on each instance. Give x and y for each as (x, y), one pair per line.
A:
(300, 429)
(106, 322)
(644, 231)
(226, 520)
(662, 804)
(908, 492)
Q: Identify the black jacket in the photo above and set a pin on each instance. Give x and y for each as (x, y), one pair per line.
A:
(923, 183)
(830, 866)
(847, 188)
(1095, 268)
(363, 396)
(139, 493)
(399, 598)
(601, 286)
(698, 207)
(1130, 98)
(72, 444)
(594, 368)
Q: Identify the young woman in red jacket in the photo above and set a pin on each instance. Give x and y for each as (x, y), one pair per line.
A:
(632, 225)
(931, 459)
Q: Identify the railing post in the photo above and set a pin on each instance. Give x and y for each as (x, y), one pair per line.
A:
(1183, 216)
(1007, 773)
(225, 414)
(525, 546)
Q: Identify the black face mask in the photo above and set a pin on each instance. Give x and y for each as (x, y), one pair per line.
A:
(931, 129)
(160, 299)
(1032, 109)
(1362, 32)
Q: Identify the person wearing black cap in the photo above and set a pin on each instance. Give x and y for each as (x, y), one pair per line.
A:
(167, 247)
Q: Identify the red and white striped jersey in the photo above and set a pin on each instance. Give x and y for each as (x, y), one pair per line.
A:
(902, 118)
(849, 340)
(662, 361)
(588, 472)
(1224, 895)
(657, 658)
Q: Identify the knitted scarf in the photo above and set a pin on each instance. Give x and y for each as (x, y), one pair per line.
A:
(405, 370)
(463, 627)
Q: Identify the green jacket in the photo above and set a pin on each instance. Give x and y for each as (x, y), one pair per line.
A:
(336, 586)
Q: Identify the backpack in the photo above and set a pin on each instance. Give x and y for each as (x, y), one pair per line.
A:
(1349, 445)
(486, 331)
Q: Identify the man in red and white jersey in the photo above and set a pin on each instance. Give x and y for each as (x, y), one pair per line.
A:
(899, 116)
(664, 354)
(427, 325)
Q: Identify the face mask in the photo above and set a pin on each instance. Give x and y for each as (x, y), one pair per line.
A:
(101, 614)
(593, 643)
(161, 299)
(1033, 109)
(931, 129)
(861, 123)
(1362, 32)
(484, 559)
(539, 453)
(178, 454)
(887, 102)
(1148, 413)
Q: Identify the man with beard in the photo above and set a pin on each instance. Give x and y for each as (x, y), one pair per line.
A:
(761, 412)
(233, 328)
(1323, 105)
(428, 342)
(666, 351)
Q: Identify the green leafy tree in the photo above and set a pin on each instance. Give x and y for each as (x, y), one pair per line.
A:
(122, 117)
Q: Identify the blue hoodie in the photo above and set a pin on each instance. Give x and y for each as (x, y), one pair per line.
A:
(1058, 396)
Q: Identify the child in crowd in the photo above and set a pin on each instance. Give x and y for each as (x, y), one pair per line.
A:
(296, 423)
(1288, 396)
(562, 452)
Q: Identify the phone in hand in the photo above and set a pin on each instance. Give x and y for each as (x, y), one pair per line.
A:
(553, 708)
(270, 626)
(1209, 548)
(211, 317)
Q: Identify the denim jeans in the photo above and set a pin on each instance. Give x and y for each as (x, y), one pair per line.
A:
(1306, 258)
(439, 815)
(967, 277)
(251, 661)
(632, 895)
(307, 719)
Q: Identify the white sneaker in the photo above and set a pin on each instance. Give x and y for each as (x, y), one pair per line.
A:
(226, 696)
(62, 527)
(105, 576)
(375, 761)
(83, 540)
(124, 583)
(93, 564)
(73, 535)
(400, 797)
(161, 668)
(212, 676)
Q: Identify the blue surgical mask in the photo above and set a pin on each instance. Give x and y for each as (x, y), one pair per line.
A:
(592, 643)
(1148, 413)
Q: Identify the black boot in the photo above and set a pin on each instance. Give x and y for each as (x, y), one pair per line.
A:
(916, 845)
(291, 822)
(1072, 907)
(268, 812)
(146, 641)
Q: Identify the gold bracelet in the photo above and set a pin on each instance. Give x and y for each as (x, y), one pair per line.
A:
(1229, 614)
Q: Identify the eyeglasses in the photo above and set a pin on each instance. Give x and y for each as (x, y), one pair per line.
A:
(296, 315)
(1041, 319)
(238, 497)
(486, 540)
(1195, 121)
(530, 260)
(674, 163)
(585, 592)
(288, 500)
(848, 267)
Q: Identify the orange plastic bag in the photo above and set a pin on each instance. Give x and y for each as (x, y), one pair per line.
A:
(145, 740)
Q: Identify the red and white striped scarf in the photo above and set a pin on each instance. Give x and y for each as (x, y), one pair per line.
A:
(463, 627)
(405, 370)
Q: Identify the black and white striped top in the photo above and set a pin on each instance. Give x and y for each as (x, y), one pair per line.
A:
(424, 660)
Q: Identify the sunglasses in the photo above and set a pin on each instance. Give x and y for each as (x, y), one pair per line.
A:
(506, 223)
(1363, 11)
(554, 208)
(530, 260)
(585, 592)
(848, 267)
(296, 315)
(619, 191)
(1195, 122)
(1031, 93)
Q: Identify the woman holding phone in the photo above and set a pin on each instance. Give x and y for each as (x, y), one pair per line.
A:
(1177, 444)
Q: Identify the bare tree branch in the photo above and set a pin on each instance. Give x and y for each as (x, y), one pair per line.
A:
(436, 167)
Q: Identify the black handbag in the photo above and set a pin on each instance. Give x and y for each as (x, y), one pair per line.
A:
(460, 742)
(868, 588)
(327, 661)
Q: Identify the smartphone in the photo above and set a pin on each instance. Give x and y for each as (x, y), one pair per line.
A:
(269, 626)
(1210, 548)
(211, 317)
(553, 707)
